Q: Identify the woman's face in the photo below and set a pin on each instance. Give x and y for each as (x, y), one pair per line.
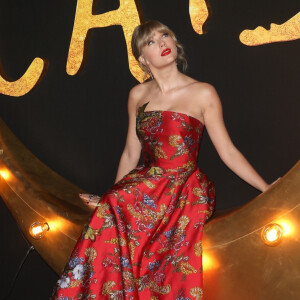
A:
(159, 51)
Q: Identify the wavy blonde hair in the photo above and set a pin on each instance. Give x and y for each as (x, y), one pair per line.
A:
(143, 33)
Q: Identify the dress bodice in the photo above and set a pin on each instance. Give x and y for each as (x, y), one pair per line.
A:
(170, 140)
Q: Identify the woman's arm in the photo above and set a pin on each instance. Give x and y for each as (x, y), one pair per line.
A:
(132, 149)
(230, 155)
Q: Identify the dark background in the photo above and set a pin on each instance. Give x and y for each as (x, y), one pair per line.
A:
(77, 124)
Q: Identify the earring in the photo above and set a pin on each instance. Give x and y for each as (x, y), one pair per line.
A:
(150, 73)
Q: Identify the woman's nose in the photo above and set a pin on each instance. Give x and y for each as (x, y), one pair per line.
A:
(162, 43)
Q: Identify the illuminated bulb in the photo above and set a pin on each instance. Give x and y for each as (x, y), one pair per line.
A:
(208, 262)
(272, 234)
(5, 174)
(37, 229)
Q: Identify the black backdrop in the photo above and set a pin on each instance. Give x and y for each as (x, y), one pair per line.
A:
(77, 124)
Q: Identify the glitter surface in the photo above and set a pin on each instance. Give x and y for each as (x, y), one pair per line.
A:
(198, 14)
(126, 15)
(288, 31)
(24, 84)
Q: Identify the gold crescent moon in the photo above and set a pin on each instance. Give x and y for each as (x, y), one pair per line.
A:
(33, 192)
(237, 264)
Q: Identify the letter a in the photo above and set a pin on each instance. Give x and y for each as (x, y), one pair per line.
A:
(126, 15)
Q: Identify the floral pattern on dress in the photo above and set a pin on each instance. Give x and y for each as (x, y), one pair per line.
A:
(144, 239)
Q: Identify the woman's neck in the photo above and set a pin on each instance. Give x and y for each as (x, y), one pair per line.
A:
(167, 78)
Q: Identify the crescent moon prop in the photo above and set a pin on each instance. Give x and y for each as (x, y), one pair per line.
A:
(237, 264)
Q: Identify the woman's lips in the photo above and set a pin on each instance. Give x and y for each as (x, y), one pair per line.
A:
(166, 52)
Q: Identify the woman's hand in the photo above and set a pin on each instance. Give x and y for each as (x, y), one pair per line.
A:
(272, 184)
(90, 199)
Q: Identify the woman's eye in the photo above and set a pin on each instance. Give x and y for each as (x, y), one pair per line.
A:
(150, 43)
(165, 34)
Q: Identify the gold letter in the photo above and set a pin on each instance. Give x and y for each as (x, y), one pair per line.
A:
(26, 83)
(288, 31)
(126, 15)
(199, 14)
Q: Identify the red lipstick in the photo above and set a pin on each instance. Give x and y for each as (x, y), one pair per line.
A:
(166, 52)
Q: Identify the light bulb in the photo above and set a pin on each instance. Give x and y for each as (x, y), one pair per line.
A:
(272, 234)
(37, 229)
(5, 174)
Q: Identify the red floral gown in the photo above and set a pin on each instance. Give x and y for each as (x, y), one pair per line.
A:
(144, 239)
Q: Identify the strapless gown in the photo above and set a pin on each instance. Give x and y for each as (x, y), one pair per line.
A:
(144, 239)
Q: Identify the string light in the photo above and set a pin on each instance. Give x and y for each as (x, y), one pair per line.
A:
(209, 262)
(37, 229)
(272, 234)
(5, 174)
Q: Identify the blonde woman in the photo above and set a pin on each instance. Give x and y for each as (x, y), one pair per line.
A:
(143, 240)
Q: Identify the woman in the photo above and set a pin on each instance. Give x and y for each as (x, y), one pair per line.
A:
(144, 238)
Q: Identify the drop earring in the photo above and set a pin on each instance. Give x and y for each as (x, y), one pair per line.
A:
(150, 73)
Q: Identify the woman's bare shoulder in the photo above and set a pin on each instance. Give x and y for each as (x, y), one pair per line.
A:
(201, 86)
(137, 96)
(139, 92)
(205, 92)
(202, 95)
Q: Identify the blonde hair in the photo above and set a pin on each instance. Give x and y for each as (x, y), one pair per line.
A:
(143, 33)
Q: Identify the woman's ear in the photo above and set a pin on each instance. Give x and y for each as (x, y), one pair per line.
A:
(142, 60)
